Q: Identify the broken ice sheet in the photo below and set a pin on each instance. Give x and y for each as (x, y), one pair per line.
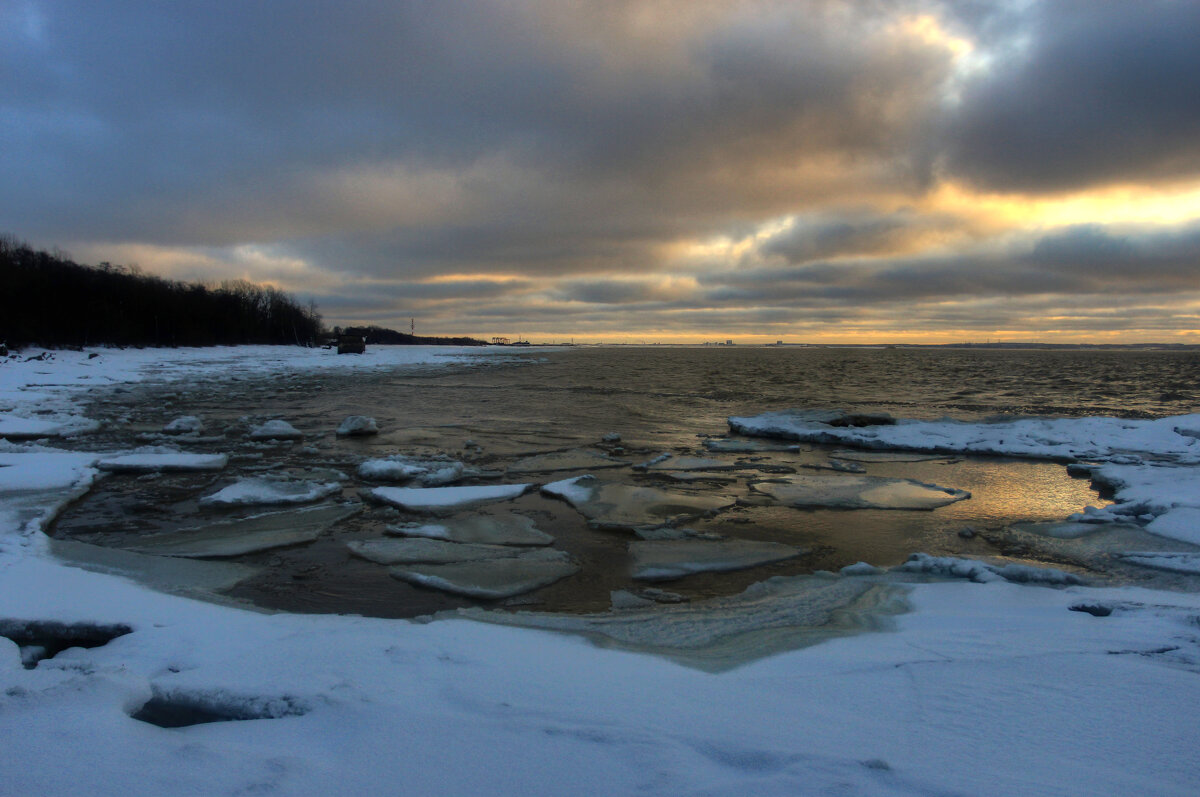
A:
(492, 579)
(857, 492)
(661, 560)
(675, 463)
(262, 490)
(732, 446)
(625, 506)
(275, 430)
(575, 459)
(1066, 529)
(696, 476)
(502, 528)
(446, 499)
(1171, 561)
(884, 456)
(429, 472)
(247, 535)
(423, 550)
(780, 613)
(158, 462)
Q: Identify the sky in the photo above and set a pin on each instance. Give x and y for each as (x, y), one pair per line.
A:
(629, 170)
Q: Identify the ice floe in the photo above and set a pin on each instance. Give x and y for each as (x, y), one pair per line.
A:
(429, 472)
(247, 535)
(861, 569)
(17, 428)
(663, 560)
(1149, 489)
(734, 446)
(357, 426)
(265, 490)
(423, 550)
(689, 476)
(159, 569)
(576, 459)
(493, 579)
(446, 499)
(184, 425)
(1180, 523)
(1175, 562)
(720, 633)
(857, 492)
(835, 465)
(982, 572)
(624, 506)
(1108, 439)
(1065, 529)
(883, 456)
(156, 462)
(678, 463)
(504, 528)
(275, 430)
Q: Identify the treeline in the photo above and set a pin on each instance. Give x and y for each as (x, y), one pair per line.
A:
(390, 337)
(48, 299)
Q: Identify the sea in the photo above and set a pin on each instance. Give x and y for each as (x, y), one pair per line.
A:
(496, 410)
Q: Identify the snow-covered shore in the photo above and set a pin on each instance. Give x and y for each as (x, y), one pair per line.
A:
(981, 688)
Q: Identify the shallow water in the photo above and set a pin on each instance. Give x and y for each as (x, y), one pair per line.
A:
(658, 399)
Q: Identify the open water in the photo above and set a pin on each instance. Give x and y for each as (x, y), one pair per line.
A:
(658, 399)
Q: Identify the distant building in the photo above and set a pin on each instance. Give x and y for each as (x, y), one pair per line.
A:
(729, 343)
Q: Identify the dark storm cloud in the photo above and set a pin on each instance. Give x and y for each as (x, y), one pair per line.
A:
(1079, 260)
(181, 123)
(1097, 91)
(842, 233)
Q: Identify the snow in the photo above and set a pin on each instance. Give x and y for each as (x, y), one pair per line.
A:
(991, 688)
(154, 462)
(982, 572)
(185, 424)
(446, 499)
(401, 468)
(264, 490)
(357, 426)
(1182, 523)
(1107, 439)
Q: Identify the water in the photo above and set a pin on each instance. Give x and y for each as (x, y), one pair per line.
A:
(658, 399)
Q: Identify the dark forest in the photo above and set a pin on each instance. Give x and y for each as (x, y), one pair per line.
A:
(48, 299)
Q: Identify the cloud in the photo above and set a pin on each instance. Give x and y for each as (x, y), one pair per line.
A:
(662, 165)
(1085, 93)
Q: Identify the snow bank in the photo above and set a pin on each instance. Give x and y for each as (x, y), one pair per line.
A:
(1109, 439)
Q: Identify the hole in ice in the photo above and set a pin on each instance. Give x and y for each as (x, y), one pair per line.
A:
(181, 709)
(1094, 609)
(45, 639)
